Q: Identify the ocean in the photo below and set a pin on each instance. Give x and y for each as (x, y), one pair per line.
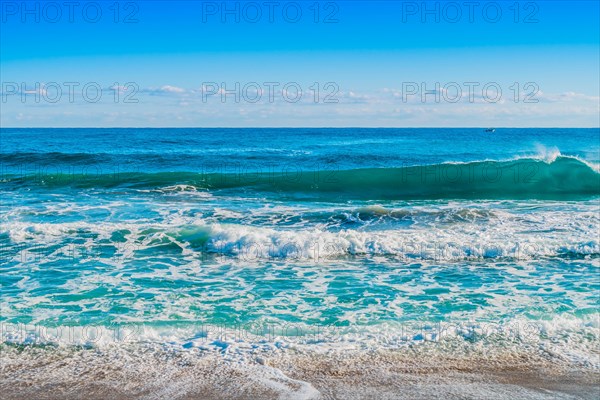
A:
(254, 244)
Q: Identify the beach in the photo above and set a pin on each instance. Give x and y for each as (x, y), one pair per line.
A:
(113, 374)
(299, 200)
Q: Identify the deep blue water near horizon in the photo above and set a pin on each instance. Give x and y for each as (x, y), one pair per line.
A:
(186, 149)
(361, 229)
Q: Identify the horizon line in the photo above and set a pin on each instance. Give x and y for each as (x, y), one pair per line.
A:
(299, 127)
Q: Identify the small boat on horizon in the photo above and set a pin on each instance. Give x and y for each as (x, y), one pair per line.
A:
(491, 130)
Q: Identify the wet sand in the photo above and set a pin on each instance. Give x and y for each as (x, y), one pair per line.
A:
(35, 373)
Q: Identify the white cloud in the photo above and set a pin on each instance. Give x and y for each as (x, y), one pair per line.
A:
(567, 97)
(171, 89)
(180, 106)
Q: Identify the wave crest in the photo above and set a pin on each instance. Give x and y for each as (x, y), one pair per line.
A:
(558, 177)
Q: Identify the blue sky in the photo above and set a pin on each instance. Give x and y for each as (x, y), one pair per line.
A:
(195, 63)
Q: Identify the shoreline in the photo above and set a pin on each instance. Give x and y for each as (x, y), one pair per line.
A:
(143, 373)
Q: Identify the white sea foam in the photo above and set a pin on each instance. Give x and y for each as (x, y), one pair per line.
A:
(570, 340)
(474, 234)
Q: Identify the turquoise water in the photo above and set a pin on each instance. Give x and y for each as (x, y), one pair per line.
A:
(312, 236)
